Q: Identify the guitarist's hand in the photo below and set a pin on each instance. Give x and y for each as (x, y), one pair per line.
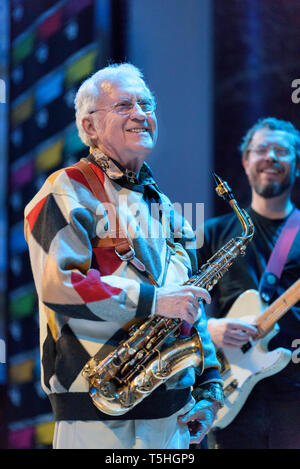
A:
(230, 332)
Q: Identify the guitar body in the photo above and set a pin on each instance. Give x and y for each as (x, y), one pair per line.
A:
(242, 368)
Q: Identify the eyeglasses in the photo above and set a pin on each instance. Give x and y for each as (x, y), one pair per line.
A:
(126, 107)
(281, 152)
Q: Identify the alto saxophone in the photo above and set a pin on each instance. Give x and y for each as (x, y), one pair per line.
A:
(138, 365)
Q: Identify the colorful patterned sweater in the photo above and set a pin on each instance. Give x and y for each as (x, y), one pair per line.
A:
(88, 295)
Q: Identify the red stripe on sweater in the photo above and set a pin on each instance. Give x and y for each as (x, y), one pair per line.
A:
(91, 288)
(77, 176)
(105, 260)
(34, 213)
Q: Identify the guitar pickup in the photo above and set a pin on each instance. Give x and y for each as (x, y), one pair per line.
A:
(231, 387)
(246, 347)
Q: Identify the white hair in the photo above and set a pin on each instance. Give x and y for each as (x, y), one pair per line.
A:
(89, 91)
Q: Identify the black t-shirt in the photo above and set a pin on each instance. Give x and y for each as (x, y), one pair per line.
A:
(246, 272)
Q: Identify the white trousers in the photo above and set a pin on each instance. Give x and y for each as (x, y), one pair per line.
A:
(164, 433)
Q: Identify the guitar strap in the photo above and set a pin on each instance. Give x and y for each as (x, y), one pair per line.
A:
(270, 278)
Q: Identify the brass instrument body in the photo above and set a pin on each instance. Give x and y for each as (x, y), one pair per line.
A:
(155, 351)
(115, 389)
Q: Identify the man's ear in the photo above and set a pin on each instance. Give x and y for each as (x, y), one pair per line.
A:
(245, 164)
(88, 126)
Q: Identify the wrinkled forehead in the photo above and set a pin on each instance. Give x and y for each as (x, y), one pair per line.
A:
(123, 87)
(268, 136)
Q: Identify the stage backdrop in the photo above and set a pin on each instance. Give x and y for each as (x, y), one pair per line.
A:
(55, 45)
(216, 66)
(256, 50)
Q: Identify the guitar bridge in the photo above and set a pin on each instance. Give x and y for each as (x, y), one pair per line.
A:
(231, 387)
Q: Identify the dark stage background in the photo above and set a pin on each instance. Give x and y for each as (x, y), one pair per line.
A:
(256, 51)
(216, 65)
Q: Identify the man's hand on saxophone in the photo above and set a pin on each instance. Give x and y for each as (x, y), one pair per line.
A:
(181, 302)
(200, 419)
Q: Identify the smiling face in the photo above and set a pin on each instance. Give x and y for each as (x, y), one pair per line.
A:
(270, 163)
(126, 137)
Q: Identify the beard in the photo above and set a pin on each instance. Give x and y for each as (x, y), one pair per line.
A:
(272, 188)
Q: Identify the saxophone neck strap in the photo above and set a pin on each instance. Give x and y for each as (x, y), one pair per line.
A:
(123, 247)
(270, 278)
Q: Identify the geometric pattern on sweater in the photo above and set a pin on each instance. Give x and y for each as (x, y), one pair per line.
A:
(45, 236)
(74, 311)
(87, 295)
(48, 358)
(68, 369)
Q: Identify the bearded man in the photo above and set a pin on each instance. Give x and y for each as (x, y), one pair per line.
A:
(270, 417)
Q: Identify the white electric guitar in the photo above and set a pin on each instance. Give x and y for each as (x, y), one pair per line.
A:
(242, 368)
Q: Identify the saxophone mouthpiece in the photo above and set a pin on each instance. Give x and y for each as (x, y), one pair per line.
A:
(223, 189)
(217, 179)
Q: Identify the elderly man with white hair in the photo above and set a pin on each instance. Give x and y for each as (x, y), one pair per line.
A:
(108, 251)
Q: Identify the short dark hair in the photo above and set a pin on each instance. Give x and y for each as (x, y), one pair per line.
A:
(273, 124)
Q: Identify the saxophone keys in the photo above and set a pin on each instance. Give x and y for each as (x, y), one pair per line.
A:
(89, 368)
(93, 392)
(116, 360)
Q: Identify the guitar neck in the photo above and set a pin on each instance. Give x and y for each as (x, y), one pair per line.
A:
(276, 310)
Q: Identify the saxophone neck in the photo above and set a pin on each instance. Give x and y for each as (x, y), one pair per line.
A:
(245, 220)
(223, 190)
